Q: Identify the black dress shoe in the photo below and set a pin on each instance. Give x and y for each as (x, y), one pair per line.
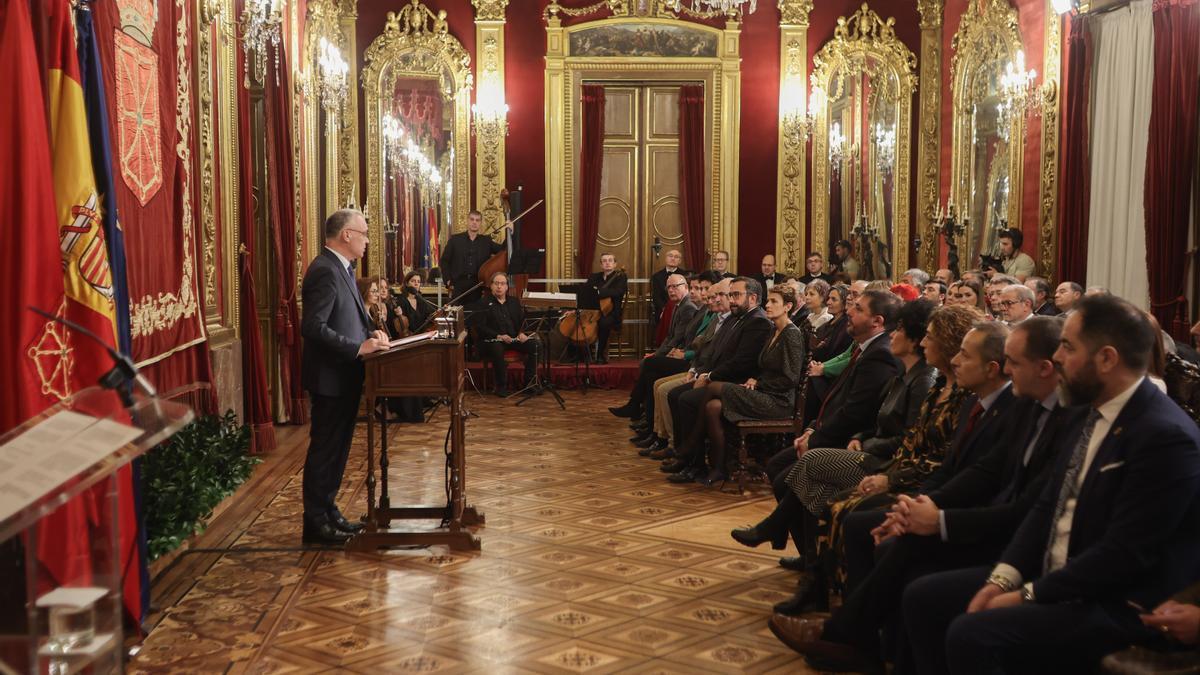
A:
(326, 533)
(647, 441)
(715, 476)
(624, 411)
(665, 452)
(639, 424)
(340, 522)
(673, 466)
(811, 596)
(685, 476)
(658, 445)
(794, 563)
(755, 536)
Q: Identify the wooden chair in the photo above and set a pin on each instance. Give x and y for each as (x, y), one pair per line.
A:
(751, 469)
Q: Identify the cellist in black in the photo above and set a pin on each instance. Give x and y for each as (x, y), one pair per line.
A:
(611, 284)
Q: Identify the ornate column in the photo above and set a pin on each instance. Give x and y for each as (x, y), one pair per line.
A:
(1047, 240)
(559, 239)
(490, 112)
(347, 147)
(929, 136)
(724, 218)
(793, 134)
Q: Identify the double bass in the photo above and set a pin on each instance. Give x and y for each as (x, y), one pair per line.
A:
(499, 262)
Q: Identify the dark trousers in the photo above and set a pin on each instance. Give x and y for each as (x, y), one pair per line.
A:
(494, 352)
(685, 413)
(652, 369)
(604, 328)
(1028, 638)
(331, 432)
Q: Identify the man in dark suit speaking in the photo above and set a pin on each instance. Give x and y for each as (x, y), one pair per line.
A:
(337, 332)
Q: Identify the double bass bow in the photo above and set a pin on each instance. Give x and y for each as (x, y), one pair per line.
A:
(500, 261)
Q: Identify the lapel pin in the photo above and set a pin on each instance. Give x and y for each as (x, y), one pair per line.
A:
(1116, 431)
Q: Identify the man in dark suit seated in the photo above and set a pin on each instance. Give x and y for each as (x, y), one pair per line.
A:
(735, 360)
(658, 286)
(1113, 532)
(497, 320)
(1043, 298)
(610, 283)
(661, 363)
(720, 265)
(337, 333)
(768, 277)
(814, 268)
(965, 522)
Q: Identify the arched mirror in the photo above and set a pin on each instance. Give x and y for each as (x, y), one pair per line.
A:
(862, 83)
(417, 82)
(987, 156)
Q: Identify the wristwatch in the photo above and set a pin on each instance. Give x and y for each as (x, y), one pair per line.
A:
(1000, 582)
(1027, 592)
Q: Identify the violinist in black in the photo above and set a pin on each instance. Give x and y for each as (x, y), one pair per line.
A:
(411, 305)
(497, 320)
(610, 283)
(465, 252)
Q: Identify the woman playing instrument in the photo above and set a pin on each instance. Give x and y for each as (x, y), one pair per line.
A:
(414, 307)
(771, 395)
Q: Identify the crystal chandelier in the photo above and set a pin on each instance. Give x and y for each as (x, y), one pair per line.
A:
(489, 113)
(885, 148)
(262, 27)
(1018, 90)
(837, 147)
(716, 7)
(333, 76)
(411, 160)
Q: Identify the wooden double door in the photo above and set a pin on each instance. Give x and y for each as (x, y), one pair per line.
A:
(639, 192)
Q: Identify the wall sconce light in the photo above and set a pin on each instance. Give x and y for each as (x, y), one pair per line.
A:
(885, 148)
(1018, 91)
(489, 113)
(1062, 6)
(262, 26)
(333, 71)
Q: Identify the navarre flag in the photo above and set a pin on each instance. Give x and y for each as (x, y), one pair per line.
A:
(88, 286)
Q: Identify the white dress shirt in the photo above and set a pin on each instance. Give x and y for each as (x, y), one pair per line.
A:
(345, 261)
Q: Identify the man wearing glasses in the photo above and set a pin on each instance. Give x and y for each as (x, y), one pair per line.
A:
(1016, 304)
(337, 333)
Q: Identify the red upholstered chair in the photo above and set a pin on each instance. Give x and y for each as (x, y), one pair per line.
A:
(511, 356)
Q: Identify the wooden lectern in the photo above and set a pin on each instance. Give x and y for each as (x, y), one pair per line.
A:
(419, 366)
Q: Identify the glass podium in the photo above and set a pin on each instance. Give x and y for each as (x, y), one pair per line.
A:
(69, 456)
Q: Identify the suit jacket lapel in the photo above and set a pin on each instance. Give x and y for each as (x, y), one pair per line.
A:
(350, 284)
(1111, 445)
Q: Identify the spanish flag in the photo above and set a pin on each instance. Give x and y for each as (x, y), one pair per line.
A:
(87, 278)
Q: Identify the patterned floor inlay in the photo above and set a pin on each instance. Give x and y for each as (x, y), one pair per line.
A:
(591, 563)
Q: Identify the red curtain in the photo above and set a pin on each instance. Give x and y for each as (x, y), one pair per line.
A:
(591, 166)
(254, 371)
(282, 214)
(691, 174)
(1075, 172)
(1171, 159)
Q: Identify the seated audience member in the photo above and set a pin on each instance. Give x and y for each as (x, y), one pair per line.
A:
(799, 313)
(906, 292)
(975, 275)
(831, 368)
(498, 324)
(699, 355)
(830, 338)
(915, 277)
(967, 292)
(720, 265)
(945, 276)
(874, 446)
(935, 292)
(816, 293)
(735, 359)
(967, 521)
(879, 285)
(668, 358)
(658, 286)
(1114, 531)
(768, 277)
(1016, 304)
(814, 269)
(1016, 263)
(1066, 296)
(995, 287)
(1043, 301)
(769, 395)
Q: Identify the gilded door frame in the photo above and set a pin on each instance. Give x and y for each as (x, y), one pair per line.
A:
(565, 74)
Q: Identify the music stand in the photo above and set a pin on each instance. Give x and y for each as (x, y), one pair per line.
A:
(586, 297)
(527, 261)
(540, 384)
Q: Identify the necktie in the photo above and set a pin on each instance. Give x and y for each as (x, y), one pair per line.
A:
(972, 419)
(1010, 491)
(838, 384)
(1070, 484)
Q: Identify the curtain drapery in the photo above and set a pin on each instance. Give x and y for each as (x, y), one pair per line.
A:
(1074, 171)
(1171, 161)
(1122, 82)
(691, 174)
(257, 414)
(591, 167)
(282, 214)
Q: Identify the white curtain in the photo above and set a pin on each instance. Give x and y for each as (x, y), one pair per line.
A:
(1122, 75)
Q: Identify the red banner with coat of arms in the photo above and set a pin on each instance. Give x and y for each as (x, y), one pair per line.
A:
(146, 50)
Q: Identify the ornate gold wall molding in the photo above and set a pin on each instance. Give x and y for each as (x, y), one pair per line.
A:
(489, 91)
(1047, 244)
(929, 125)
(347, 160)
(322, 20)
(792, 135)
(208, 13)
(565, 73)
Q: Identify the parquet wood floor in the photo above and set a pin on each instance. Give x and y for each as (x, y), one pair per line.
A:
(591, 562)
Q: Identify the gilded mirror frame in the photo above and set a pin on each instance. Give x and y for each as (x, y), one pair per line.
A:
(988, 34)
(416, 43)
(861, 35)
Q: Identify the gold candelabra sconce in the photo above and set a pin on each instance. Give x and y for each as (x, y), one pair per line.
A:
(261, 26)
(332, 77)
